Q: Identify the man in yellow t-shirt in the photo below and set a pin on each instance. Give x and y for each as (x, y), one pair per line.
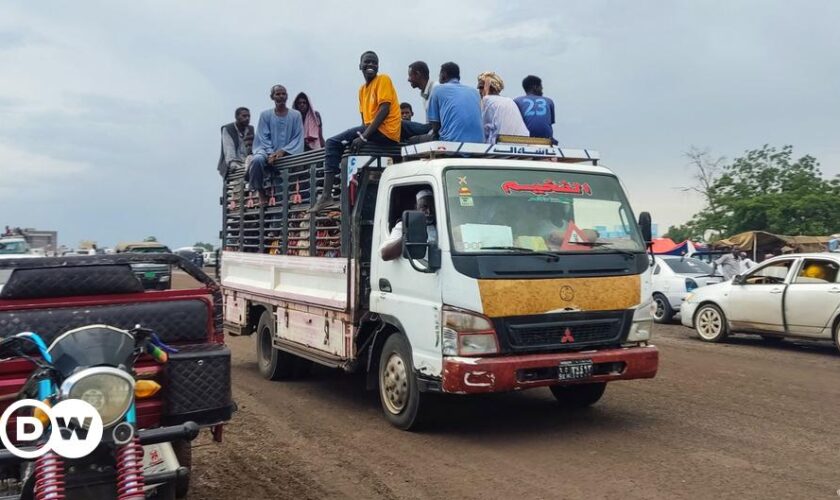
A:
(381, 123)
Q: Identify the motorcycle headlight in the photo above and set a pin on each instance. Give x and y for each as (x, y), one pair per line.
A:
(109, 390)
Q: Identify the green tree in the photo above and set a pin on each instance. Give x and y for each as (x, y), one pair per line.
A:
(682, 233)
(206, 246)
(767, 190)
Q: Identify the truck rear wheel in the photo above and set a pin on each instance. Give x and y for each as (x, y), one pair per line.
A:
(578, 396)
(273, 363)
(398, 390)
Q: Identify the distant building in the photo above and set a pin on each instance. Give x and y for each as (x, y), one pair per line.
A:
(45, 240)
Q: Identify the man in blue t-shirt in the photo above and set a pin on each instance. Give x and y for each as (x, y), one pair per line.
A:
(455, 109)
(537, 111)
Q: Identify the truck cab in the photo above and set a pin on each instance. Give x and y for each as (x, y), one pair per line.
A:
(536, 274)
(15, 248)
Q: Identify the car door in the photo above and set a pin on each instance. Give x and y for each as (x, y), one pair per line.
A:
(812, 297)
(755, 301)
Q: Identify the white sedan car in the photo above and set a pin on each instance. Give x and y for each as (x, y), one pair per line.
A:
(673, 278)
(794, 295)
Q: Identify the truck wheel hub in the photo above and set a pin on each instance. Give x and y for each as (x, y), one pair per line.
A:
(394, 384)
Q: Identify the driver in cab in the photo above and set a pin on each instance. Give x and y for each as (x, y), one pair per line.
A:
(392, 247)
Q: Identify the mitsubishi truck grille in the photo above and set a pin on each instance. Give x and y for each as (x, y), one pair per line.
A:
(564, 331)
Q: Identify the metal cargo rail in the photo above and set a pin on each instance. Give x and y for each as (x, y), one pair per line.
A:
(285, 226)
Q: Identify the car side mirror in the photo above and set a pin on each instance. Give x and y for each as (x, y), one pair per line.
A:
(646, 227)
(738, 280)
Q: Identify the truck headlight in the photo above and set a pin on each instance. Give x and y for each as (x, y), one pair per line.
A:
(467, 333)
(642, 323)
(109, 390)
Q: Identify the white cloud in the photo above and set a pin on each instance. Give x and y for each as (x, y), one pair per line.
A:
(128, 97)
(25, 173)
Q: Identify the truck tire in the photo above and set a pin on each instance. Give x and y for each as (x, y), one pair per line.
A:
(398, 389)
(578, 396)
(662, 312)
(273, 363)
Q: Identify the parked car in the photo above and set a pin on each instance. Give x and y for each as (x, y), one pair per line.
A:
(673, 277)
(192, 254)
(153, 276)
(210, 258)
(794, 295)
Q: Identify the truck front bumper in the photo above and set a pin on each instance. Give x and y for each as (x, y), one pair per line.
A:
(463, 375)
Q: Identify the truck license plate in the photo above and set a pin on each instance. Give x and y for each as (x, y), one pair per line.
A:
(575, 370)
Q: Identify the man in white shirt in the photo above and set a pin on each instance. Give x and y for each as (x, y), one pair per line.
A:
(746, 263)
(418, 78)
(392, 247)
(501, 115)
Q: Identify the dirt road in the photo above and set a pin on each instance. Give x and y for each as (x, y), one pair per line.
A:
(742, 419)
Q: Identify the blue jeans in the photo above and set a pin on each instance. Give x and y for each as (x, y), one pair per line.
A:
(412, 129)
(335, 146)
(256, 172)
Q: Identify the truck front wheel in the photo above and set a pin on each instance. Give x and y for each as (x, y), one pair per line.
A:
(274, 364)
(398, 390)
(578, 396)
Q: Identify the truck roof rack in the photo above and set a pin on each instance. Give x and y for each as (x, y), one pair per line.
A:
(502, 150)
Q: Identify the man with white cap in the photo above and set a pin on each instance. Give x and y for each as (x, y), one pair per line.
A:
(392, 247)
(499, 114)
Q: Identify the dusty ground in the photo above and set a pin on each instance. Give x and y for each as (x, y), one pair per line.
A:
(742, 419)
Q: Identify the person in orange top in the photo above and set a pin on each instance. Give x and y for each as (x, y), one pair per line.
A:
(381, 124)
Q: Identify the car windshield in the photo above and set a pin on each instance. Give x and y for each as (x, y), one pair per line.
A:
(13, 247)
(516, 210)
(688, 266)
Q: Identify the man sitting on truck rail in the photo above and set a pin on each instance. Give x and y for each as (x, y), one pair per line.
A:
(410, 128)
(499, 114)
(455, 109)
(380, 110)
(392, 247)
(235, 147)
(537, 110)
(279, 134)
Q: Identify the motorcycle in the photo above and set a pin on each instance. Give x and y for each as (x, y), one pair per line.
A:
(96, 364)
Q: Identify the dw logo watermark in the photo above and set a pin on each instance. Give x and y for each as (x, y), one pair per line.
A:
(79, 421)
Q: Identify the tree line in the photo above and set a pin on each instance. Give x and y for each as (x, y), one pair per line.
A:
(766, 189)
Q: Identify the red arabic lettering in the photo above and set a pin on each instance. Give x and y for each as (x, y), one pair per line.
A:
(548, 187)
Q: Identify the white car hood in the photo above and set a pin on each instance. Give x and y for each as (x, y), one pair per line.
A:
(711, 291)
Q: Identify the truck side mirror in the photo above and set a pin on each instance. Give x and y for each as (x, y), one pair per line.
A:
(415, 235)
(645, 226)
(416, 243)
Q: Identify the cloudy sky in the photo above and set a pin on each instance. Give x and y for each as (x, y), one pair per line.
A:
(110, 111)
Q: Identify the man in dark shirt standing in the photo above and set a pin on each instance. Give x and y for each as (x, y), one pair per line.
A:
(537, 111)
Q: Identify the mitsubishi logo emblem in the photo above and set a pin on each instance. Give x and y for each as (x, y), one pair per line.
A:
(567, 336)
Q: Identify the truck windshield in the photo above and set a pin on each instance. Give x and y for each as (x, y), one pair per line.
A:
(12, 247)
(523, 211)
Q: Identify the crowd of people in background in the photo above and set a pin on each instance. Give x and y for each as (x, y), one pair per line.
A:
(454, 112)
